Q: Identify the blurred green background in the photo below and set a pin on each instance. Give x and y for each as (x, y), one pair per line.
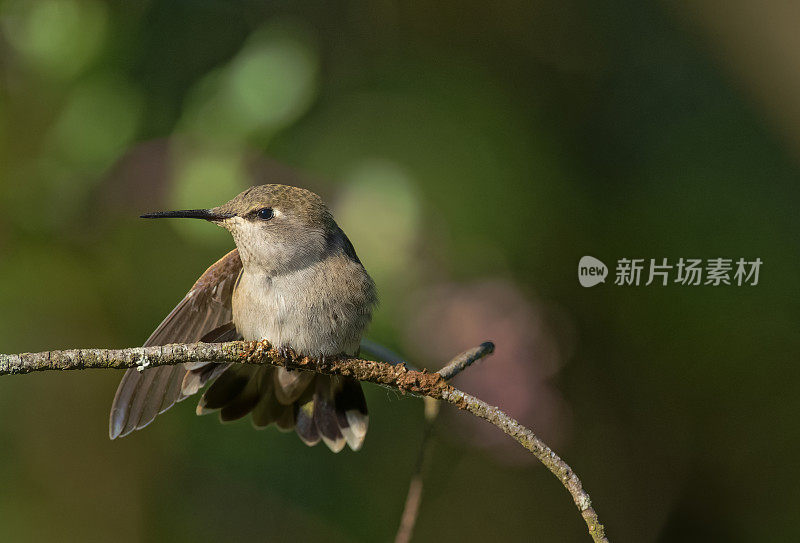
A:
(473, 152)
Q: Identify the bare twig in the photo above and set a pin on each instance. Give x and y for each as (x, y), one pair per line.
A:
(530, 441)
(465, 360)
(414, 498)
(397, 376)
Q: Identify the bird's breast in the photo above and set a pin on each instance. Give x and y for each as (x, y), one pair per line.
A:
(307, 311)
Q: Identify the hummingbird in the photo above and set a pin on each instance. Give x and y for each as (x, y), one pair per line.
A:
(295, 280)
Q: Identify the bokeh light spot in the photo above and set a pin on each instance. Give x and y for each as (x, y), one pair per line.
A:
(56, 37)
(379, 209)
(264, 88)
(206, 178)
(97, 123)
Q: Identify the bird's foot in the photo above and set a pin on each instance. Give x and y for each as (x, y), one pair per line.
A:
(285, 352)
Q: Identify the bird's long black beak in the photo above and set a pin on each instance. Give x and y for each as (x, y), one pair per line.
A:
(207, 214)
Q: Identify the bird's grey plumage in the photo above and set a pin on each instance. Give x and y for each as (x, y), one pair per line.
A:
(294, 280)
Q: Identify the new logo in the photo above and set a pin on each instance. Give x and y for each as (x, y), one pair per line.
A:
(591, 271)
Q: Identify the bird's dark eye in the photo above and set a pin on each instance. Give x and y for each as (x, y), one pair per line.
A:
(265, 214)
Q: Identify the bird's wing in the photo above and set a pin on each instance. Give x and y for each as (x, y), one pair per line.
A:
(144, 394)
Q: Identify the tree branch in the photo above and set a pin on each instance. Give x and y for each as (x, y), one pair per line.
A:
(397, 376)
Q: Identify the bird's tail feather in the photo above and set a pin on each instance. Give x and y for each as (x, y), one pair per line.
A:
(324, 408)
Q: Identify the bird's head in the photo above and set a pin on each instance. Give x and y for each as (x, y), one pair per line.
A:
(277, 228)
